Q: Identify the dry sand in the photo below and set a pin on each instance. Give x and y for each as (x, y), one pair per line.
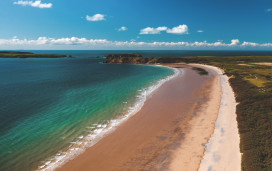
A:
(168, 133)
(264, 63)
(245, 64)
(223, 152)
(199, 129)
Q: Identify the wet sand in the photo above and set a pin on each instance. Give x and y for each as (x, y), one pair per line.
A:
(199, 128)
(168, 133)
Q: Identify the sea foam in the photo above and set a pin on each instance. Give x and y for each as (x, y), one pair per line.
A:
(98, 131)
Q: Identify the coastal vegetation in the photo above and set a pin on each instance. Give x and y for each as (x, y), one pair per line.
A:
(251, 80)
(16, 54)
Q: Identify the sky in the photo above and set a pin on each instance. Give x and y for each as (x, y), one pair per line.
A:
(135, 24)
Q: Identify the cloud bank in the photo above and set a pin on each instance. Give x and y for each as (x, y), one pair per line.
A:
(181, 29)
(96, 17)
(83, 43)
(37, 4)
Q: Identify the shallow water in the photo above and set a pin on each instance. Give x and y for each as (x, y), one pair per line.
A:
(50, 105)
(47, 104)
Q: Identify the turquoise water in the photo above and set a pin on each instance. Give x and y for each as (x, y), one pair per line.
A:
(49, 106)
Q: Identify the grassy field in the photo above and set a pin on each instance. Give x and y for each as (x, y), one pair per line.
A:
(251, 80)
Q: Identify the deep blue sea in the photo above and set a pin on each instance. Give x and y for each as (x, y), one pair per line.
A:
(51, 109)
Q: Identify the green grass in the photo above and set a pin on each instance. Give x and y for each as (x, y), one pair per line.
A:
(255, 81)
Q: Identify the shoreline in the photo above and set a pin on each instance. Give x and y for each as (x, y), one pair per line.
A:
(85, 142)
(190, 134)
(220, 153)
(149, 139)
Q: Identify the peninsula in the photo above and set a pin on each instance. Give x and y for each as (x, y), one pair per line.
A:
(251, 80)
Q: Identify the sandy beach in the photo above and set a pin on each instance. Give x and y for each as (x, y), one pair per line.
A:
(199, 128)
(222, 151)
(169, 132)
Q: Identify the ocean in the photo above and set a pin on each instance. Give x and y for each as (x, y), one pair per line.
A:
(52, 109)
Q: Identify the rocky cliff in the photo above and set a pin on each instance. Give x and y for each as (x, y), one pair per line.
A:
(138, 59)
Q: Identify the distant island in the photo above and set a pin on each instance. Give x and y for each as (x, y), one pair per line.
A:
(16, 54)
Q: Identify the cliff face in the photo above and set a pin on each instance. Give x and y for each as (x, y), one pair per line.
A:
(130, 60)
(138, 59)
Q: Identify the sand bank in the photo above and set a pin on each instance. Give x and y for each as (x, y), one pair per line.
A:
(168, 133)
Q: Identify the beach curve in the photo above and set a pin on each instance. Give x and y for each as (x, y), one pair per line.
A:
(149, 139)
(84, 142)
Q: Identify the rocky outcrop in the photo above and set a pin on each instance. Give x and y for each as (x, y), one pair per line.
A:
(130, 60)
(124, 55)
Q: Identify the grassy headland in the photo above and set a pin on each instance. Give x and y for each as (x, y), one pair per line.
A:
(16, 54)
(252, 84)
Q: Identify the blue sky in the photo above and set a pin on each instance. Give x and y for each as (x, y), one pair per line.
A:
(136, 24)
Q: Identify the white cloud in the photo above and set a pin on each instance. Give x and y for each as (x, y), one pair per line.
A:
(181, 29)
(234, 42)
(163, 28)
(252, 44)
(200, 31)
(123, 28)
(269, 10)
(37, 4)
(151, 30)
(84, 43)
(96, 17)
